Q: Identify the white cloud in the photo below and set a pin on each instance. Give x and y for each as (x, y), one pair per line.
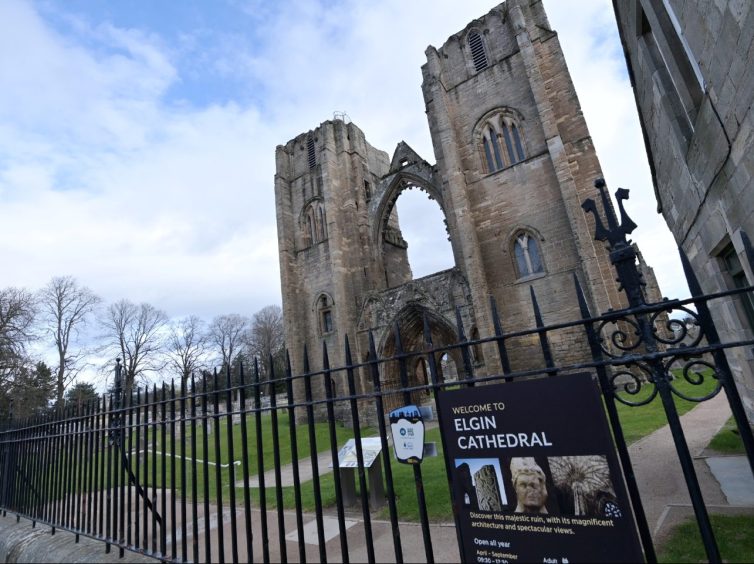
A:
(112, 170)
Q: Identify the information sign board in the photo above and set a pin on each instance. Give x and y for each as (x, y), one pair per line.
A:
(370, 448)
(407, 427)
(535, 475)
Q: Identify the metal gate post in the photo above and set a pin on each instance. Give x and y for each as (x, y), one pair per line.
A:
(623, 258)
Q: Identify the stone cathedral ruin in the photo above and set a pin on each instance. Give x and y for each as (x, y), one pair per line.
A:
(514, 161)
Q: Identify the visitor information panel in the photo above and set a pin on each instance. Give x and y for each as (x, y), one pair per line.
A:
(535, 475)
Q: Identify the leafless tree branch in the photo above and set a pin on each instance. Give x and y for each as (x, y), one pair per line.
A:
(66, 307)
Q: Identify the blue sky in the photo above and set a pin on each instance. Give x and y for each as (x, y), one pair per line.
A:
(137, 138)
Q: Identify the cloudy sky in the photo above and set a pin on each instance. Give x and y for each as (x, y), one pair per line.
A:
(137, 138)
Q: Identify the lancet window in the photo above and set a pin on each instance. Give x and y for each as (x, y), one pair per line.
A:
(527, 255)
(326, 316)
(314, 223)
(502, 142)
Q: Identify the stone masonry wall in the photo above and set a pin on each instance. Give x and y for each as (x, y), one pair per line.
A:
(703, 169)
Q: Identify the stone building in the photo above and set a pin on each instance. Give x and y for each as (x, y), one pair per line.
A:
(691, 65)
(514, 161)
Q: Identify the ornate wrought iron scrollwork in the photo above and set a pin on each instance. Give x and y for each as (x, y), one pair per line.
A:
(624, 334)
(619, 336)
(681, 330)
(628, 384)
(694, 377)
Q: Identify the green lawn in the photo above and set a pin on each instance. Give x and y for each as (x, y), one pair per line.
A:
(727, 440)
(322, 439)
(148, 465)
(734, 539)
(434, 479)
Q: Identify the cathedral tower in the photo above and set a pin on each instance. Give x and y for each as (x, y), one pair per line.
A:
(514, 162)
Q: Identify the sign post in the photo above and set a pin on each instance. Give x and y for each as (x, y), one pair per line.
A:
(348, 462)
(534, 473)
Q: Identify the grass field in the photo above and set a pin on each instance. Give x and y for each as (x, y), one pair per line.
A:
(727, 440)
(637, 422)
(734, 538)
(218, 447)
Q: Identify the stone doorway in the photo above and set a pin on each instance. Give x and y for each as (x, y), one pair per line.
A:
(415, 370)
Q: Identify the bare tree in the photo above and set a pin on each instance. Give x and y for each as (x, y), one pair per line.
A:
(66, 307)
(136, 333)
(17, 314)
(226, 334)
(266, 338)
(187, 346)
(18, 310)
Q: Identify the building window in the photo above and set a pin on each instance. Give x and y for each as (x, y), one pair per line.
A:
(508, 143)
(488, 155)
(367, 190)
(311, 153)
(517, 141)
(327, 321)
(478, 55)
(325, 315)
(314, 223)
(528, 258)
(502, 144)
(322, 225)
(494, 138)
(680, 80)
(310, 228)
(738, 277)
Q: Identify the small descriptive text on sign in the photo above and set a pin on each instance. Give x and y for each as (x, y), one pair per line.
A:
(535, 523)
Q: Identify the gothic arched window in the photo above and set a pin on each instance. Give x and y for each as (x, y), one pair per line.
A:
(502, 142)
(314, 223)
(325, 314)
(527, 255)
(478, 54)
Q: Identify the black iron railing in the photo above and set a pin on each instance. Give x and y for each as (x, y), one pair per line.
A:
(155, 471)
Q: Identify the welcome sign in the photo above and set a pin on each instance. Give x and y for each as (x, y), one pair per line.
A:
(534, 473)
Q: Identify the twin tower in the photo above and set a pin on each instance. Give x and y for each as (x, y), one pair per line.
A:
(514, 161)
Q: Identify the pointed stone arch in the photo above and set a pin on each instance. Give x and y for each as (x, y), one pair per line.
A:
(400, 182)
(410, 325)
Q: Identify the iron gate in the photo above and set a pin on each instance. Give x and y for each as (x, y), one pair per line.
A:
(155, 471)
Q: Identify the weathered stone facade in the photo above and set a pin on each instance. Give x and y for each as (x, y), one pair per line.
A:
(514, 163)
(692, 67)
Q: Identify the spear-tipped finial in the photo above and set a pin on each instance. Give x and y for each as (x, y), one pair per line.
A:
(615, 233)
(622, 254)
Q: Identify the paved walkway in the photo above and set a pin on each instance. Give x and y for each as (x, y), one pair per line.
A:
(661, 483)
(305, 472)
